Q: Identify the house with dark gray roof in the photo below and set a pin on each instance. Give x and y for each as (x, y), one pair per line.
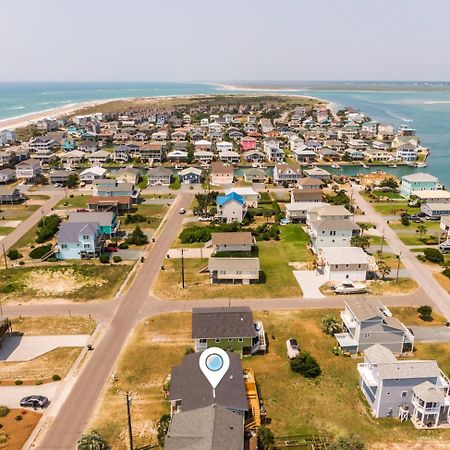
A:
(190, 389)
(159, 176)
(232, 329)
(10, 194)
(367, 322)
(211, 427)
(407, 388)
(7, 175)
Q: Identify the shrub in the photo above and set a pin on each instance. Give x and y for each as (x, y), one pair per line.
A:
(47, 228)
(117, 258)
(4, 437)
(93, 440)
(39, 252)
(123, 246)
(13, 254)
(137, 237)
(352, 442)
(4, 411)
(19, 417)
(425, 313)
(135, 218)
(162, 428)
(446, 272)
(18, 382)
(266, 439)
(38, 382)
(104, 258)
(405, 221)
(56, 377)
(330, 325)
(433, 255)
(306, 365)
(21, 263)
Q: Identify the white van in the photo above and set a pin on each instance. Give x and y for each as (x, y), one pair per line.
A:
(444, 247)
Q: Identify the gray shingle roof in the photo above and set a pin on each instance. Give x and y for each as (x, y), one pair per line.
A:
(222, 322)
(212, 427)
(232, 238)
(102, 218)
(189, 384)
(233, 264)
(428, 392)
(69, 232)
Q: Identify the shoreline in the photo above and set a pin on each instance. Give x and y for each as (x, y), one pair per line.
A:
(12, 123)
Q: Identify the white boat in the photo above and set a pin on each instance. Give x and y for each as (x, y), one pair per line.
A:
(350, 288)
(335, 166)
(423, 164)
(365, 166)
(393, 165)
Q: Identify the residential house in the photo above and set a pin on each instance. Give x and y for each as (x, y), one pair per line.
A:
(231, 329)
(433, 196)
(224, 146)
(7, 137)
(72, 158)
(7, 176)
(10, 195)
(375, 155)
(159, 176)
(367, 322)
(254, 156)
(91, 174)
(326, 154)
(310, 184)
(190, 389)
(78, 240)
(283, 173)
(255, 175)
(88, 146)
(406, 153)
(119, 205)
(297, 211)
(153, 152)
(106, 220)
(344, 263)
(60, 176)
(272, 150)
(242, 241)
(317, 172)
(177, 155)
(117, 190)
(304, 155)
(234, 270)
(435, 210)
(230, 157)
(190, 175)
(418, 182)
(249, 195)
(122, 153)
(42, 144)
(408, 388)
(247, 143)
(99, 157)
(329, 212)
(211, 427)
(231, 207)
(202, 145)
(306, 195)
(221, 174)
(28, 170)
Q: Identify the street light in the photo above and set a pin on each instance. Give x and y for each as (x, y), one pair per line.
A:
(398, 266)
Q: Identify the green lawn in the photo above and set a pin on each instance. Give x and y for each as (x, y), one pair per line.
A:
(27, 239)
(391, 195)
(78, 201)
(143, 183)
(76, 282)
(277, 281)
(153, 213)
(394, 208)
(6, 230)
(17, 212)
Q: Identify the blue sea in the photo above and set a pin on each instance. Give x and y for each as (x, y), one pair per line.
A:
(427, 111)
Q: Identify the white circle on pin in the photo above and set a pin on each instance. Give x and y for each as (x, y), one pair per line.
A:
(214, 363)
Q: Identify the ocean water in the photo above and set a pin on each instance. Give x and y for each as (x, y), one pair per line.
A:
(428, 111)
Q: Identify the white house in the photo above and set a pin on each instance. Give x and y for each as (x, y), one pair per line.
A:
(231, 207)
(249, 195)
(344, 263)
(91, 174)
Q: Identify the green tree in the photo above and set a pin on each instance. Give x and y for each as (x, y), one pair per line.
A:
(72, 181)
(13, 254)
(360, 241)
(330, 325)
(92, 441)
(352, 442)
(162, 427)
(433, 255)
(405, 221)
(421, 229)
(266, 438)
(137, 237)
(383, 268)
(364, 227)
(425, 313)
(305, 365)
(390, 183)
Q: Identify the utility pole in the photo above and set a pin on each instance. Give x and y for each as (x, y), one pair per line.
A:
(1, 308)
(182, 268)
(130, 431)
(4, 256)
(398, 266)
(382, 243)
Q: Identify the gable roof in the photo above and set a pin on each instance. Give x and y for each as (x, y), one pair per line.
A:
(222, 199)
(69, 232)
(104, 218)
(345, 255)
(420, 177)
(211, 427)
(233, 264)
(219, 167)
(222, 322)
(189, 384)
(232, 238)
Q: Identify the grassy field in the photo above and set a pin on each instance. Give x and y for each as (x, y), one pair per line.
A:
(74, 282)
(153, 213)
(17, 212)
(275, 256)
(6, 230)
(410, 317)
(338, 405)
(53, 325)
(16, 432)
(443, 281)
(78, 201)
(27, 239)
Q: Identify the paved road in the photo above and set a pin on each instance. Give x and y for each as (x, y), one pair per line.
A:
(417, 270)
(431, 335)
(72, 419)
(27, 224)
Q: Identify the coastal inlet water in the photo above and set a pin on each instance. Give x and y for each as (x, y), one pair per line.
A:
(428, 112)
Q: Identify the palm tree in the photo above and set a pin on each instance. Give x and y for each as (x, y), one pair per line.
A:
(364, 227)
(384, 269)
(421, 229)
(92, 441)
(330, 325)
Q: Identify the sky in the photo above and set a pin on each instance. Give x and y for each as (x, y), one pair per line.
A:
(232, 40)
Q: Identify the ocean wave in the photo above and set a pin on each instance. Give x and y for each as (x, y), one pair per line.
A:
(436, 102)
(16, 107)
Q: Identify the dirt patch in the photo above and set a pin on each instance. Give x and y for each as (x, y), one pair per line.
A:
(411, 445)
(16, 432)
(46, 282)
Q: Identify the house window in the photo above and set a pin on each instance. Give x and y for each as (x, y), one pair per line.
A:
(241, 340)
(217, 341)
(202, 341)
(86, 245)
(388, 393)
(230, 339)
(63, 245)
(404, 393)
(336, 266)
(85, 237)
(367, 335)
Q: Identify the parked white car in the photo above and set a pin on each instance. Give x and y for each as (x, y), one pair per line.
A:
(292, 348)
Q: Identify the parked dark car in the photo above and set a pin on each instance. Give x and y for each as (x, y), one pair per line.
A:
(34, 401)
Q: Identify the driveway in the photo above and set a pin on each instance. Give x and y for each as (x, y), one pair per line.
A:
(190, 252)
(129, 254)
(24, 348)
(11, 395)
(433, 334)
(310, 282)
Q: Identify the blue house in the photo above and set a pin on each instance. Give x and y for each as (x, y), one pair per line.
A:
(79, 240)
(69, 145)
(107, 220)
(190, 175)
(418, 182)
